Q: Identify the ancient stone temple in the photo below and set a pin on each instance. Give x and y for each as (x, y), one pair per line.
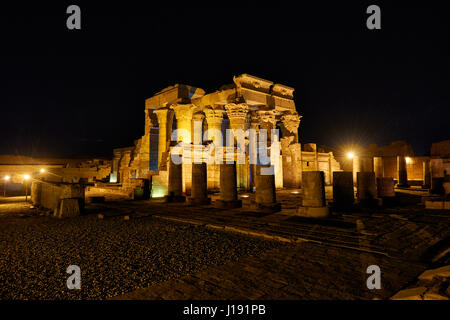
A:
(176, 115)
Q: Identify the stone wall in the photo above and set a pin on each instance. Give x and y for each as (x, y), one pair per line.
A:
(441, 149)
(50, 195)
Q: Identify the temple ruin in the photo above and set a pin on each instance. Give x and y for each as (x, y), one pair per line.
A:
(249, 103)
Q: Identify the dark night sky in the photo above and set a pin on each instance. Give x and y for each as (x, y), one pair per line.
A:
(68, 93)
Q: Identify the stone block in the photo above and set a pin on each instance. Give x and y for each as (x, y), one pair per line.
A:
(343, 193)
(228, 204)
(366, 187)
(443, 272)
(313, 212)
(437, 204)
(410, 294)
(96, 199)
(385, 187)
(68, 208)
(313, 188)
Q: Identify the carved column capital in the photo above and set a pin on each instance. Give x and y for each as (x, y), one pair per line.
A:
(238, 115)
(183, 111)
(267, 118)
(214, 117)
(291, 122)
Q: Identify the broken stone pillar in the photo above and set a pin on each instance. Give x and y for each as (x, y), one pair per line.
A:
(366, 164)
(378, 167)
(36, 189)
(175, 185)
(385, 187)
(401, 170)
(313, 202)
(356, 168)
(228, 187)
(426, 174)
(265, 197)
(343, 192)
(437, 176)
(68, 208)
(199, 188)
(366, 188)
(386, 192)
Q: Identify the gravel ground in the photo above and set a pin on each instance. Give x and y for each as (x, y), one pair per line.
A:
(115, 256)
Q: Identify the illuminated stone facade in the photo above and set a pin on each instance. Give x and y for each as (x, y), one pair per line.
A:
(249, 103)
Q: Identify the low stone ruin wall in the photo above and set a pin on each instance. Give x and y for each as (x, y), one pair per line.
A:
(65, 199)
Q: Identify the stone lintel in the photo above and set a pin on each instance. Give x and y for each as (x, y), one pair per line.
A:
(173, 94)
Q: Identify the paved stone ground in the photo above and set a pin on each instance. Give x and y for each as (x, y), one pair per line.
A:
(115, 256)
(181, 252)
(302, 271)
(324, 259)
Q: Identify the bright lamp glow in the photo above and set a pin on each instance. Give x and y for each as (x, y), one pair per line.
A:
(408, 159)
(6, 178)
(42, 170)
(350, 155)
(26, 176)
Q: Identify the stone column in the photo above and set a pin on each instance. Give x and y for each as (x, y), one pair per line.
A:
(426, 174)
(162, 115)
(228, 187)
(144, 158)
(437, 176)
(265, 182)
(265, 197)
(366, 164)
(214, 119)
(199, 188)
(197, 128)
(267, 121)
(237, 113)
(386, 191)
(343, 191)
(290, 150)
(183, 114)
(385, 187)
(330, 167)
(378, 167)
(175, 185)
(239, 124)
(35, 192)
(356, 168)
(291, 122)
(313, 202)
(114, 176)
(366, 188)
(253, 150)
(401, 169)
